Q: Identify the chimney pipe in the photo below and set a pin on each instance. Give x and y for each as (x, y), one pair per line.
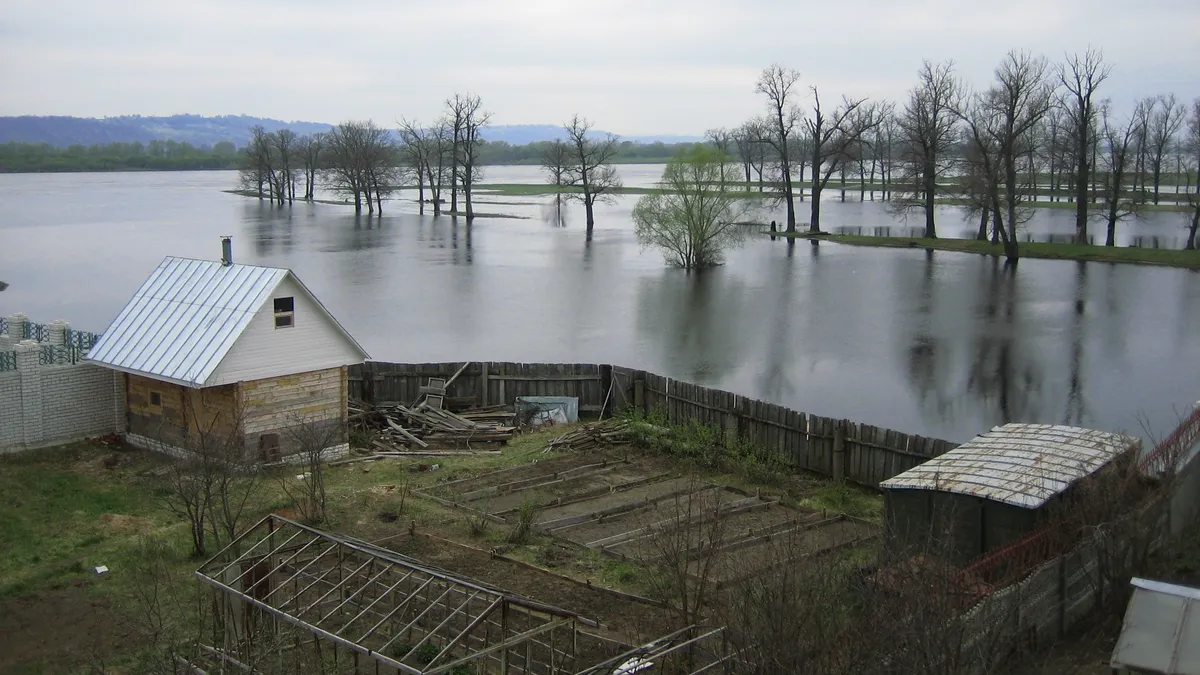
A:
(226, 250)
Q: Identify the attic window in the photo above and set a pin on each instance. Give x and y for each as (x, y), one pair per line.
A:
(284, 312)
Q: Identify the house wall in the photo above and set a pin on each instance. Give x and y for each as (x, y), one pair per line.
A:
(184, 417)
(263, 351)
(43, 405)
(275, 405)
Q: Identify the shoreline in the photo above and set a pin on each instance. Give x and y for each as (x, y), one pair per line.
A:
(1161, 257)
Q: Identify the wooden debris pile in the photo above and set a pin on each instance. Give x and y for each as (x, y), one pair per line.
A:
(592, 436)
(395, 425)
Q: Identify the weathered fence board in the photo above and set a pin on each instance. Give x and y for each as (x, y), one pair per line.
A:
(869, 454)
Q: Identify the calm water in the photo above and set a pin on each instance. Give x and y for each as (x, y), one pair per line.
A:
(934, 343)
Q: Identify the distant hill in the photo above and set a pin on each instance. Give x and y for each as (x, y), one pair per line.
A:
(194, 129)
(201, 131)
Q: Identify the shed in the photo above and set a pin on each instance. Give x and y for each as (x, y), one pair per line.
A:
(995, 488)
(214, 349)
(1161, 631)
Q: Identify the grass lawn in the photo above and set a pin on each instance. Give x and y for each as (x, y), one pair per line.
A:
(1144, 256)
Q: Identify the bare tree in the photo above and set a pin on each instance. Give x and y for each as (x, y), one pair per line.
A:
(928, 133)
(1117, 143)
(557, 160)
(361, 162)
(1164, 123)
(310, 153)
(257, 169)
(748, 139)
(832, 138)
(467, 110)
(1192, 143)
(417, 149)
(983, 174)
(286, 148)
(721, 139)
(1004, 119)
(310, 438)
(591, 171)
(779, 128)
(1081, 76)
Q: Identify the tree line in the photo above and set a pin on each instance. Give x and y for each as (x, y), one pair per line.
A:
(152, 156)
(1038, 129)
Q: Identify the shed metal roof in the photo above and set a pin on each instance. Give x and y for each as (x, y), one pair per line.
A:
(1161, 630)
(185, 318)
(1019, 464)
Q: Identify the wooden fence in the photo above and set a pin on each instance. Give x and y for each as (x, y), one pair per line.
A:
(859, 453)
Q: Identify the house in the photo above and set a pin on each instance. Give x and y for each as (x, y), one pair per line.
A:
(1160, 634)
(995, 488)
(214, 349)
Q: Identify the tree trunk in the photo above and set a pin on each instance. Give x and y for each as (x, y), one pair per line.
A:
(467, 197)
(842, 182)
(1111, 239)
(787, 196)
(420, 193)
(1191, 242)
(591, 219)
(930, 193)
(814, 210)
(1081, 186)
(1157, 176)
(983, 224)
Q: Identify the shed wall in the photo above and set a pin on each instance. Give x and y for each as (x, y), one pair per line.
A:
(185, 415)
(313, 342)
(958, 527)
(274, 405)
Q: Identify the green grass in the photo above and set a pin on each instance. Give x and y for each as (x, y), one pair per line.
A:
(1143, 256)
(57, 525)
(843, 498)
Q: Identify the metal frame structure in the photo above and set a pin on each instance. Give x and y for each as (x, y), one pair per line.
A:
(288, 593)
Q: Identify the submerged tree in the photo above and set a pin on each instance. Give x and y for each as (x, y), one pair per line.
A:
(1163, 123)
(832, 137)
(361, 163)
(591, 171)
(1117, 144)
(1081, 76)
(467, 118)
(1192, 144)
(928, 133)
(556, 162)
(694, 220)
(778, 130)
(310, 154)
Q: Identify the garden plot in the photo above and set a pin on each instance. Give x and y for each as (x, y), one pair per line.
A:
(740, 558)
(548, 484)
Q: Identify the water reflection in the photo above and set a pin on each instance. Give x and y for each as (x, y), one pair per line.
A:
(698, 316)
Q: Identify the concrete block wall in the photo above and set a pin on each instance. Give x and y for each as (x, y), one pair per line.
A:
(52, 404)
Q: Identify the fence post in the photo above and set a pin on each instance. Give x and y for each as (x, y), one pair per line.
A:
(639, 396)
(839, 450)
(483, 384)
(16, 326)
(58, 332)
(28, 353)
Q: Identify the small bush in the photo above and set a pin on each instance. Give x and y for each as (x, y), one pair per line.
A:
(524, 526)
(478, 523)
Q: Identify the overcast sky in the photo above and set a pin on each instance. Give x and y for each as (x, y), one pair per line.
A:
(634, 67)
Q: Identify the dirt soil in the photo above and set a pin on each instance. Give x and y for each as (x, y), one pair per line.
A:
(60, 630)
(639, 621)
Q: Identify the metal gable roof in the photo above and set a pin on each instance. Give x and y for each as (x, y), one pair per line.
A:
(1019, 464)
(184, 319)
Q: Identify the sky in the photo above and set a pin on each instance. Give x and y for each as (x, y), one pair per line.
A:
(635, 67)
